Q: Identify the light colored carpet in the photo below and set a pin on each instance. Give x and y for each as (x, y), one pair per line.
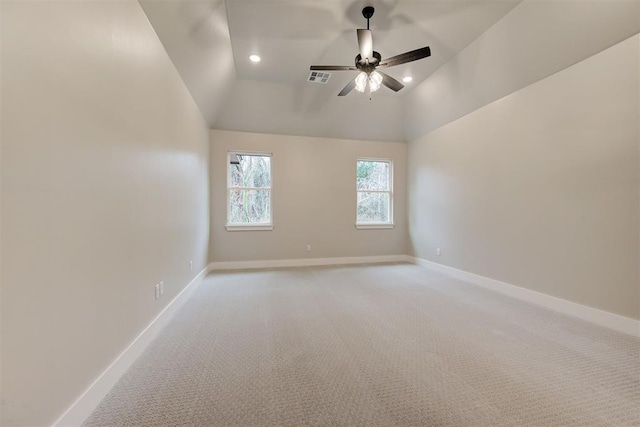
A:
(376, 345)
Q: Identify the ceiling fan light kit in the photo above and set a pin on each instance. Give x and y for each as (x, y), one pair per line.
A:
(374, 80)
(368, 61)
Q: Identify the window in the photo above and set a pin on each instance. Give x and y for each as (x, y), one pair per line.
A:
(249, 191)
(374, 188)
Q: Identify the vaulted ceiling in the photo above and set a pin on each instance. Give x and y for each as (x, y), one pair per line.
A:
(210, 42)
(292, 35)
(478, 55)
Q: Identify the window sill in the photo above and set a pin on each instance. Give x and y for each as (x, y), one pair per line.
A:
(249, 227)
(373, 226)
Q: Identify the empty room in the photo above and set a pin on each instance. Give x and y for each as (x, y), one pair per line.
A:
(319, 213)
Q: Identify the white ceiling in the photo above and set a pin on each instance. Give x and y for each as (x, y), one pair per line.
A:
(291, 35)
(210, 41)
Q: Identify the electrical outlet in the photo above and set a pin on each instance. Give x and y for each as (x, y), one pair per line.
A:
(190, 265)
(161, 288)
(438, 251)
(158, 291)
(308, 248)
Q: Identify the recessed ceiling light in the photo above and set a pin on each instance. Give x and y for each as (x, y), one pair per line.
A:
(407, 79)
(254, 58)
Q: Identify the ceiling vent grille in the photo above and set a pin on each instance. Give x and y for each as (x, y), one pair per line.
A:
(319, 77)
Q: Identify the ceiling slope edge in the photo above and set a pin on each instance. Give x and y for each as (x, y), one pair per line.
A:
(196, 38)
(276, 108)
(533, 41)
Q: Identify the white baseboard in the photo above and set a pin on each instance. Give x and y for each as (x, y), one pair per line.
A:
(84, 405)
(306, 262)
(600, 317)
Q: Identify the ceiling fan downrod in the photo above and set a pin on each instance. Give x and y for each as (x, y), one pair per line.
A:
(367, 12)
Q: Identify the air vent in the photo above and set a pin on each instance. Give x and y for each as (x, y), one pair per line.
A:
(319, 77)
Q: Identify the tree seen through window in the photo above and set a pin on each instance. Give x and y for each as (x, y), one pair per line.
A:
(250, 190)
(373, 192)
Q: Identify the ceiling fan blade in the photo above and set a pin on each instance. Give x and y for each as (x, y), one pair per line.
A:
(348, 88)
(332, 68)
(390, 82)
(365, 43)
(403, 58)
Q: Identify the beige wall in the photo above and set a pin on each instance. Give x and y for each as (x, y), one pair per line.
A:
(104, 194)
(314, 199)
(541, 188)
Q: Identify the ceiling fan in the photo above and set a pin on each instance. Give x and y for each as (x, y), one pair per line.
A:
(369, 61)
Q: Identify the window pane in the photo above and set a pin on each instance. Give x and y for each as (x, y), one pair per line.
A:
(253, 171)
(373, 207)
(373, 175)
(250, 206)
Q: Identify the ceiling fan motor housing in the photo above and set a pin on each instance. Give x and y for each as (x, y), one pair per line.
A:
(368, 66)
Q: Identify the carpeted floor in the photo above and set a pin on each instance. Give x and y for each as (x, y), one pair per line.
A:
(375, 345)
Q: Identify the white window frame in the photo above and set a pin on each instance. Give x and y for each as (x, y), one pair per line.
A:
(376, 225)
(248, 227)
